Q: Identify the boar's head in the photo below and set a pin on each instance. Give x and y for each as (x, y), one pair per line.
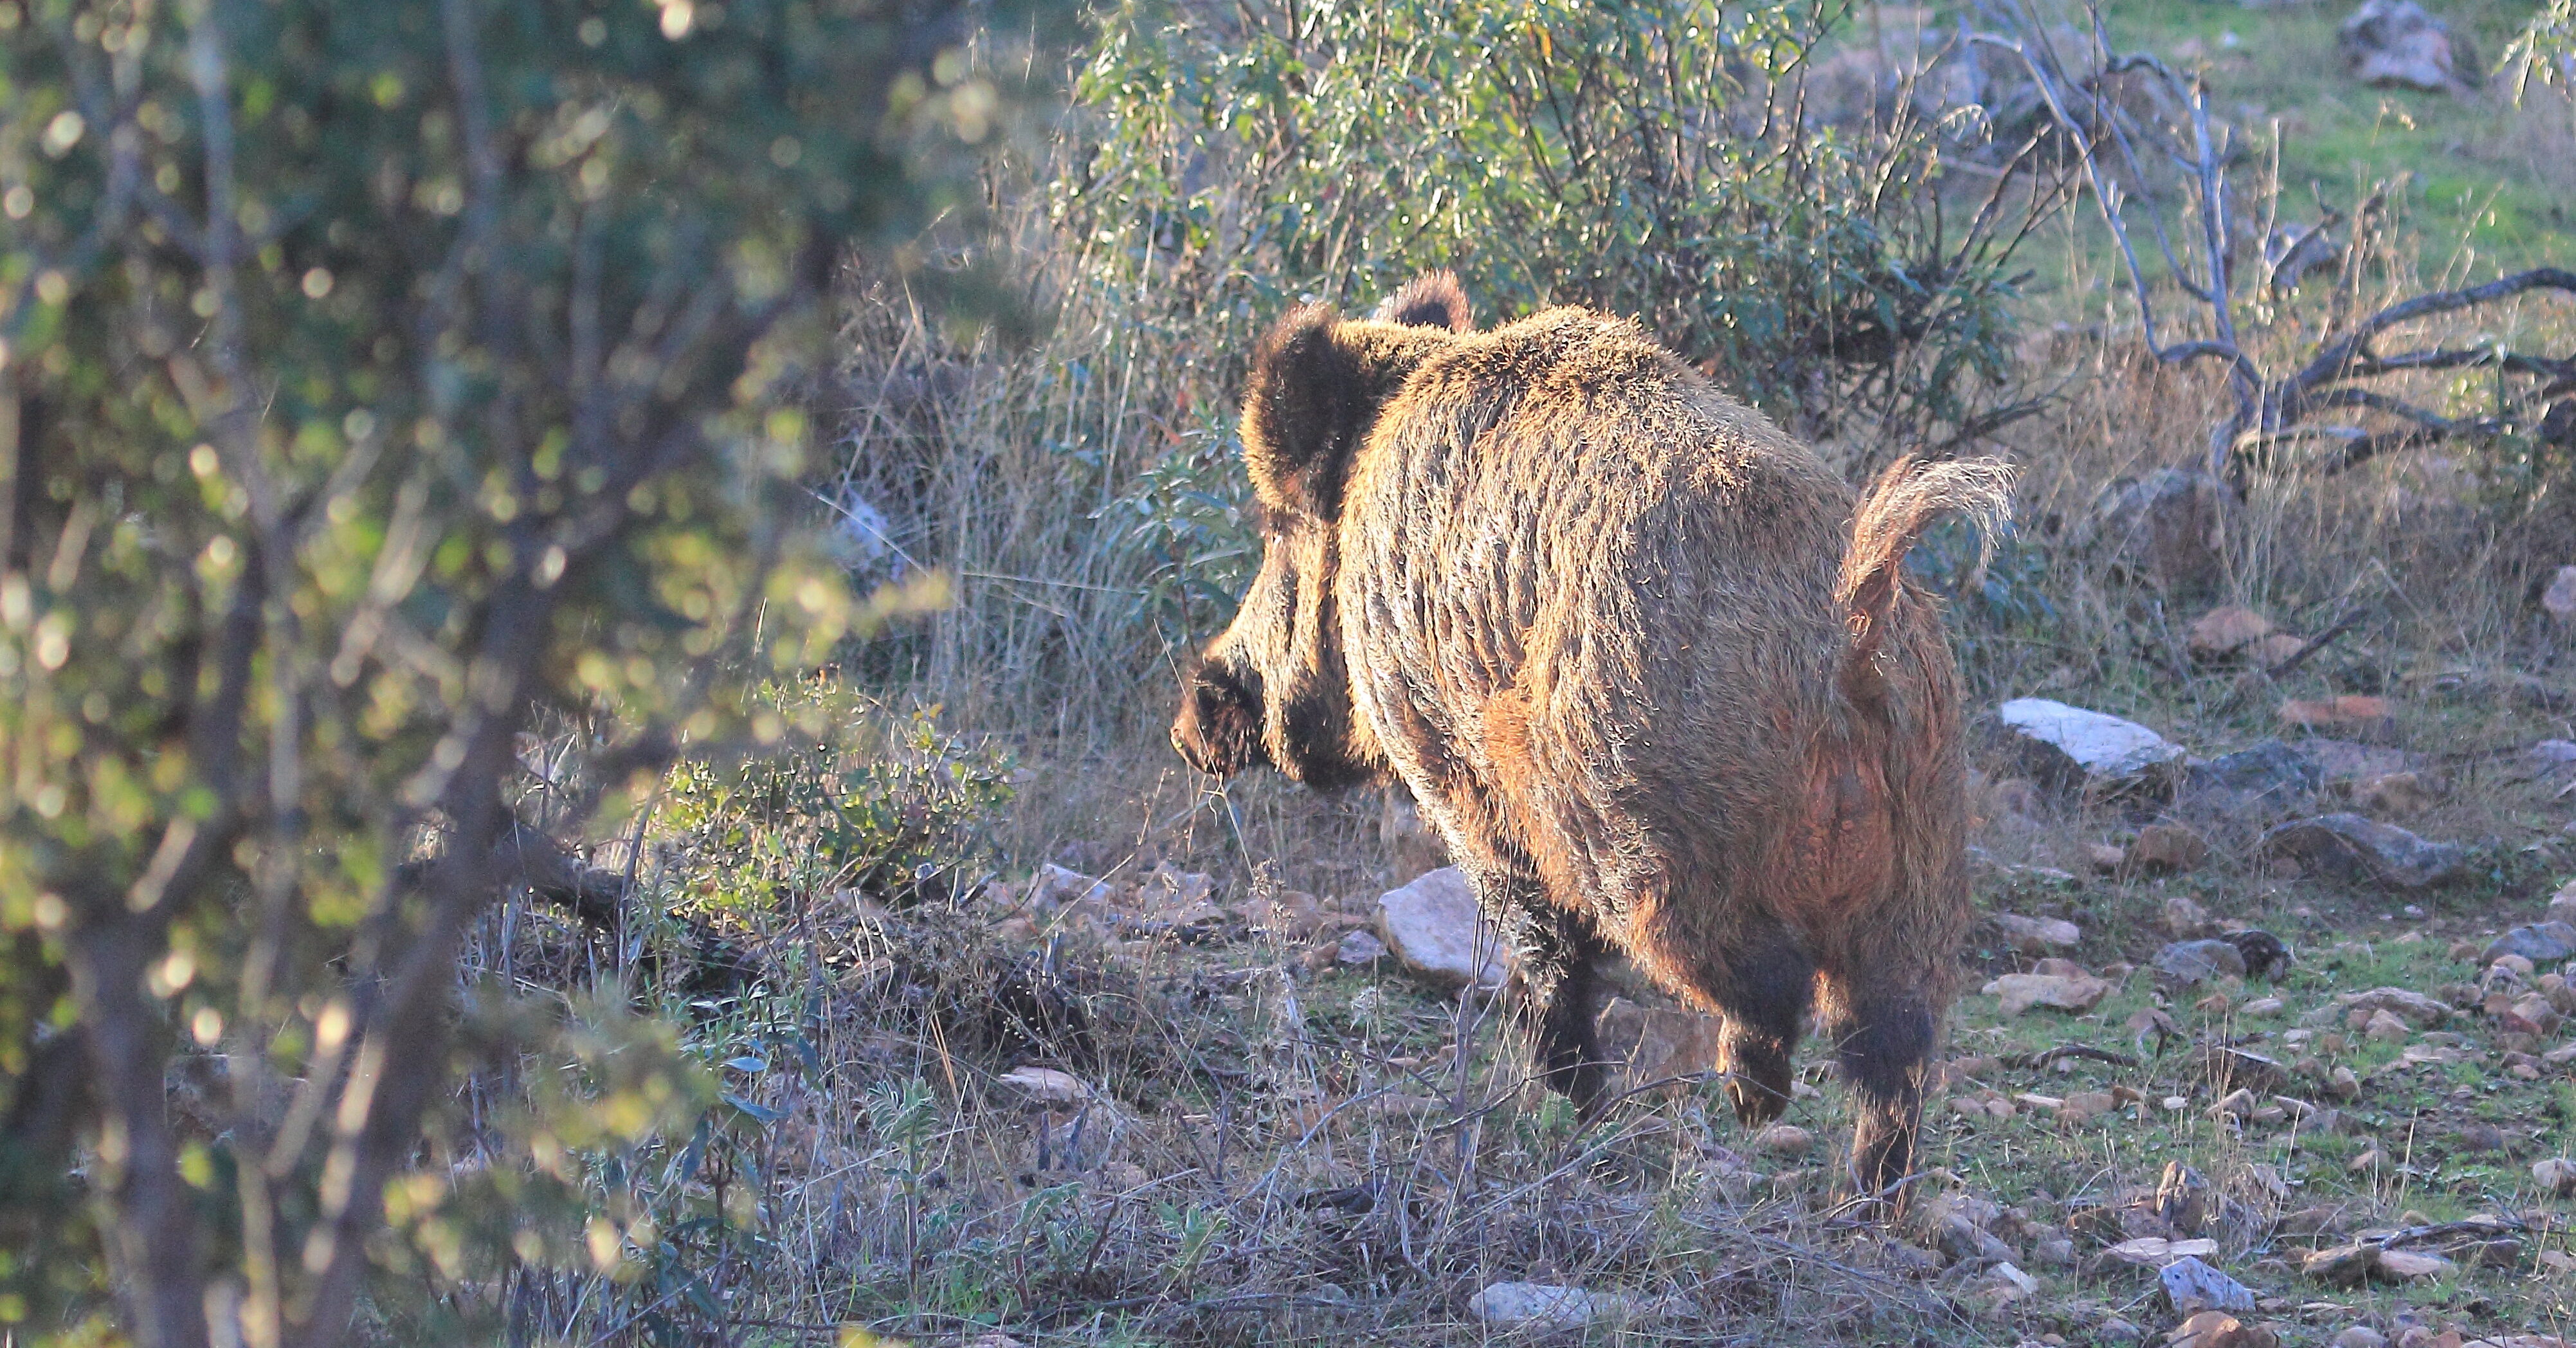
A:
(1273, 689)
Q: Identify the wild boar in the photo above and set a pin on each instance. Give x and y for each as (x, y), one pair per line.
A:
(1645, 661)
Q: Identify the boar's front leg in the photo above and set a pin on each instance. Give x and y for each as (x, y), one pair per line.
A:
(1558, 951)
(1762, 984)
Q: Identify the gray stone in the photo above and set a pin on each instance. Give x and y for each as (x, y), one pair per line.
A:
(2559, 600)
(1433, 927)
(2548, 759)
(2194, 1286)
(2185, 963)
(2394, 44)
(2072, 749)
(2038, 935)
(1963, 1242)
(2538, 942)
(2264, 782)
(1359, 948)
(2342, 761)
(2168, 527)
(2351, 848)
(1539, 1305)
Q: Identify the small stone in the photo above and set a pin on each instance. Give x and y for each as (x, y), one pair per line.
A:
(2072, 749)
(2223, 632)
(2006, 1284)
(2156, 1251)
(2106, 858)
(1656, 1043)
(2344, 1085)
(1433, 926)
(2114, 1330)
(2413, 1007)
(2539, 942)
(2263, 1006)
(1047, 1085)
(1359, 948)
(2185, 919)
(1292, 914)
(2556, 1176)
(1416, 848)
(1784, 1139)
(2411, 1265)
(2360, 1336)
(2394, 44)
(2218, 1329)
(2038, 935)
(2559, 600)
(2368, 718)
(2185, 963)
(2085, 1105)
(1542, 1305)
(2384, 1028)
(2078, 993)
(2168, 848)
(2341, 1265)
(2274, 649)
(2350, 847)
(2562, 905)
(2257, 784)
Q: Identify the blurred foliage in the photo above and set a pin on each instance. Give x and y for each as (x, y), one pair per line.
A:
(369, 376)
(2545, 51)
(1644, 157)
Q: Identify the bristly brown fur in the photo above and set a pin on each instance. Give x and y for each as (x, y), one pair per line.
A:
(1645, 661)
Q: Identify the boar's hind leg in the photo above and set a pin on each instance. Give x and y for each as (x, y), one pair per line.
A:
(1558, 951)
(1883, 1043)
(1763, 989)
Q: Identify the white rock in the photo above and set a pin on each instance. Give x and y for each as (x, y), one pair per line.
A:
(2560, 598)
(2095, 748)
(2006, 1284)
(2078, 993)
(1054, 887)
(1047, 1084)
(1434, 928)
(1543, 1304)
(2039, 935)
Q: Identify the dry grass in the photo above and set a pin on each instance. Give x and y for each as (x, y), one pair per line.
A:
(1266, 1153)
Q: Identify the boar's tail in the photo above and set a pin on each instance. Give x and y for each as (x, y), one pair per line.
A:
(1910, 497)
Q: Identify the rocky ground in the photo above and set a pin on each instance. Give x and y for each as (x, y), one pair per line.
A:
(2266, 1046)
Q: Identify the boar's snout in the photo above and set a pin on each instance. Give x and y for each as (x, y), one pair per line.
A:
(1218, 730)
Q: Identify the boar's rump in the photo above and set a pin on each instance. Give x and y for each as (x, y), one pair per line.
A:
(1645, 661)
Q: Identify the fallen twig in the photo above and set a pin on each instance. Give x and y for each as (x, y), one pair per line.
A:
(2049, 1057)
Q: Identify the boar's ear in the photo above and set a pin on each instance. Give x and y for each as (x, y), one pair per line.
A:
(1431, 300)
(1304, 407)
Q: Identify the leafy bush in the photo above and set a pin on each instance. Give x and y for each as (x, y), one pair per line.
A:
(881, 804)
(1644, 157)
(369, 376)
